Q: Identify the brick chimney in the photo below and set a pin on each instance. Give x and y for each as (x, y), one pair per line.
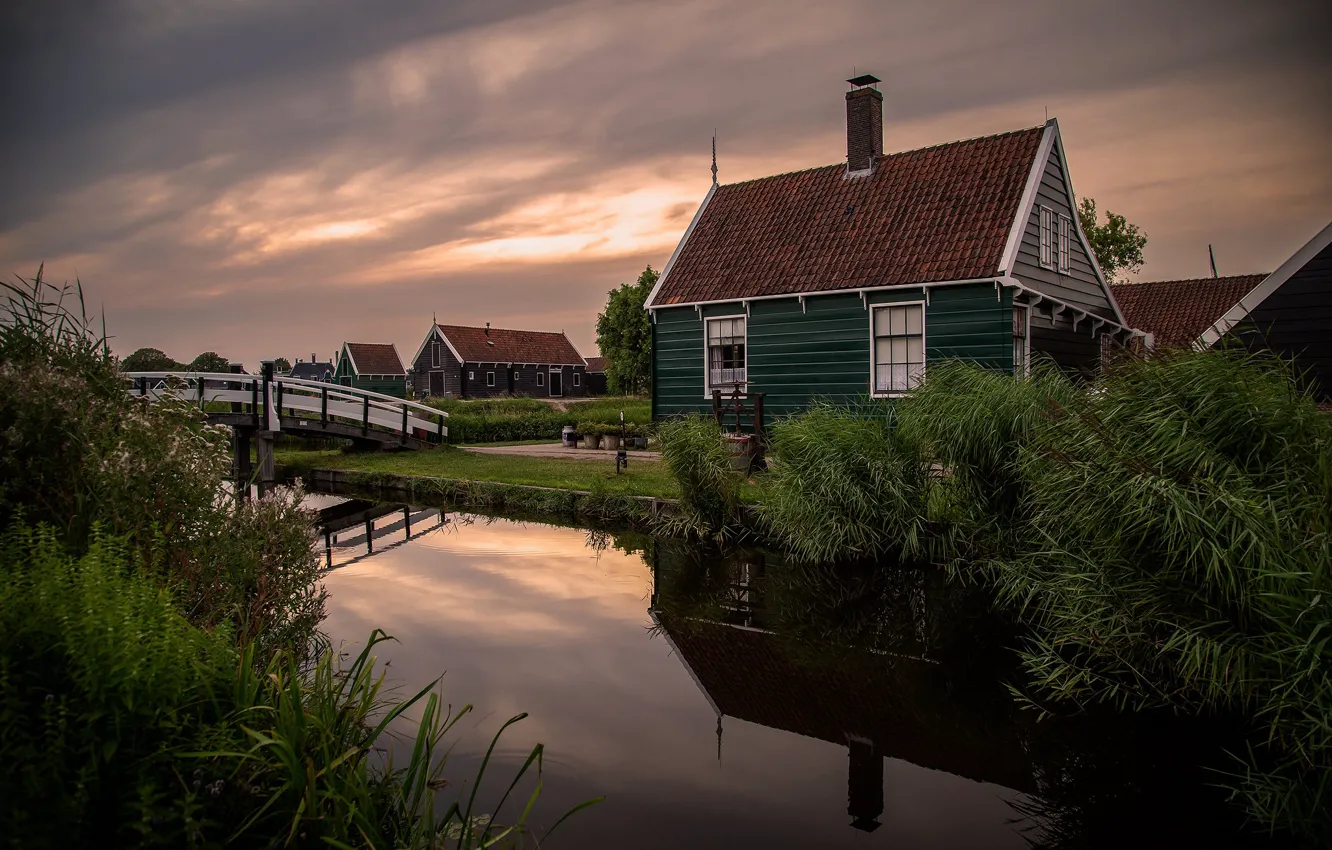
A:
(864, 124)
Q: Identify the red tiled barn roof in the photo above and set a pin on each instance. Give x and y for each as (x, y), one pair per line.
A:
(375, 358)
(596, 364)
(934, 214)
(1178, 311)
(502, 345)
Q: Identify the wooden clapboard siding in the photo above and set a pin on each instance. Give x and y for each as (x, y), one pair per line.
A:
(1080, 286)
(823, 351)
(1295, 321)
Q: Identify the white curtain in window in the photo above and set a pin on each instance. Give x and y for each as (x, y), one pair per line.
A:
(899, 348)
(726, 352)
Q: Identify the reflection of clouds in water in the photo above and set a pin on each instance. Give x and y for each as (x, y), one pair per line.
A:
(527, 617)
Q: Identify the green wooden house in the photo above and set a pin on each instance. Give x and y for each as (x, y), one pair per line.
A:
(850, 280)
(371, 366)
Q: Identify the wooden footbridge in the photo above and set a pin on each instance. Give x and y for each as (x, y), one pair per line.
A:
(261, 407)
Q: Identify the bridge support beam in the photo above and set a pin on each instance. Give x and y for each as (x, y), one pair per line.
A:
(240, 461)
(264, 442)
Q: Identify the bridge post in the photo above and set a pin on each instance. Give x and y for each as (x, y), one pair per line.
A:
(267, 436)
(240, 443)
(236, 369)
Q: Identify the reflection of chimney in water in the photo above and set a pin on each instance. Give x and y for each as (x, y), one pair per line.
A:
(864, 785)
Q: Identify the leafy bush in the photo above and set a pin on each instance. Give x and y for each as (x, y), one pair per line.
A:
(692, 449)
(123, 725)
(845, 483)
(512, 419)
(1179, 553)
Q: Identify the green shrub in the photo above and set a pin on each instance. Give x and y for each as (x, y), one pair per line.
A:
(692, 449)
(513, 419)
(845, 483)
(124, 725)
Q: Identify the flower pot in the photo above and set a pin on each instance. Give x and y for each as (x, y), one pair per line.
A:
(611, 442)
(589, 443)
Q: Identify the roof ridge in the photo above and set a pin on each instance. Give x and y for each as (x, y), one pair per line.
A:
(1219, 279)
(885, 156)
(513, 330)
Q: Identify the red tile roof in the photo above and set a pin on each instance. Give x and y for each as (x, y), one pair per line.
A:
(596, 364)
(375, 358)
(1178, 311)
(501, 345)
(934, 214)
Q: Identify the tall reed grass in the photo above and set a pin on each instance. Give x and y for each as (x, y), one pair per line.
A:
(709, 506)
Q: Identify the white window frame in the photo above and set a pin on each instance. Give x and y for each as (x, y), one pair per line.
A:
(578, 379)
(517, 376)
(490, 379)
(1026, 343)
(1065, 232)
(707, 365)
(436, 354)
(924, 350)
(1047, 247)
(471, 376)
(541, 378)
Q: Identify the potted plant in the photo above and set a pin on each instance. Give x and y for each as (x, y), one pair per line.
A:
(589, 435)
(610, 437)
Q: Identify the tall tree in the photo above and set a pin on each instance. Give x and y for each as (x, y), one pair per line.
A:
(281, 364)
(210, 361)
(624, 335)
(148, 360)
(1117, 243)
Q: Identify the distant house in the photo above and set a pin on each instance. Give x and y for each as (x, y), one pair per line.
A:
(313, 370)
(1288, 311)
(596, 375)
(373, 366)
(467, 362)
(853, 279)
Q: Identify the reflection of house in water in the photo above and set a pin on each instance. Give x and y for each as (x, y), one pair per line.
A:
(876, 702)
(371, 524)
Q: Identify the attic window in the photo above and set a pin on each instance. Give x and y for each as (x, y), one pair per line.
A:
(541, 379)
(490, 379)
(1047, 238)
(1065, 225)
(434, 355)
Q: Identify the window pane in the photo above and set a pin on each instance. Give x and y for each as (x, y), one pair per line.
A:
(899, 374)
(915, 374)
(915, 316)
(899, 349)
(915, 349)
(883, 350)
(899, 320)
(881, 321)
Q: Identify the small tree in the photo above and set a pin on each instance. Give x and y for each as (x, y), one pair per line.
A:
(210, 361)
(624, 335)
(281, 364)
(1117, 244)
(148, 360)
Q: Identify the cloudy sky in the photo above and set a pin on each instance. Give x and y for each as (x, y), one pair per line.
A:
(272, 177)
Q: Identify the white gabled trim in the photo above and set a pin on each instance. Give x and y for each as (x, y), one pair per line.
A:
(689, 231)
(435, 331)
(346, 350)
(1077, 227)
(1048, 138)
(685, 662)
(1266, 287)
(402, 370)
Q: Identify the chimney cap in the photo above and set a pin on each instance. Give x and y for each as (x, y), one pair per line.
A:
(864, 80)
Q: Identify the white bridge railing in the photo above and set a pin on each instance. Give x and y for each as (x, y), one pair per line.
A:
(314, 404)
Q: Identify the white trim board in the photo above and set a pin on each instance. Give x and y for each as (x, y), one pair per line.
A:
(1025, 206)
(858, 290)
(1265, 287)
(689, 231)
(924, 353)
(707, 387)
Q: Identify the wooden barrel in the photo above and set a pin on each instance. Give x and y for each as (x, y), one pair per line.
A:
(740, 447)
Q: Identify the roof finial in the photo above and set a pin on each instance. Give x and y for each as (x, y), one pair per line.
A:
(714, 156)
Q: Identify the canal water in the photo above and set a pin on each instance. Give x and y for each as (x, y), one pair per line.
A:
(731, 700)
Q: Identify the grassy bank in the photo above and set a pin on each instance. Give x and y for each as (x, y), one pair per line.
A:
(640, 479)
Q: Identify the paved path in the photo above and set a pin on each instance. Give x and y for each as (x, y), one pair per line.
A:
(559, 450)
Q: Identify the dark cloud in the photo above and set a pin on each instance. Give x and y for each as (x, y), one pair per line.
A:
(184, 158)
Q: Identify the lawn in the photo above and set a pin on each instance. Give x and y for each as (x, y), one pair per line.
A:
(640, 479)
